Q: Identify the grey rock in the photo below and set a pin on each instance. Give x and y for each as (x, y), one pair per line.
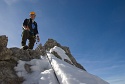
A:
(5, 54)
(25, 55)
(41, 50)
(27, 68)
(66, 49)
(66, 60)
(80, 66)
(50, 44)
(56, 54)
(8, 74)
(3, 41)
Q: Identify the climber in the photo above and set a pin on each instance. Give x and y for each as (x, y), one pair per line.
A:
(30, 32)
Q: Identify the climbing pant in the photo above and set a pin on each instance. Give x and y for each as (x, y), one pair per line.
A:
(26, 35)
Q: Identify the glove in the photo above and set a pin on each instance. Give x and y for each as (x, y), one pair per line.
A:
(26, 28)
(38, 39)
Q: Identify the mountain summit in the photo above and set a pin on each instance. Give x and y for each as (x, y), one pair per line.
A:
(51, 63)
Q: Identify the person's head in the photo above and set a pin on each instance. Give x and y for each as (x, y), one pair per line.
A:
(32, 15)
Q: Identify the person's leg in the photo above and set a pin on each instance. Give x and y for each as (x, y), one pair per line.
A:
(25, 36)
(32, 40)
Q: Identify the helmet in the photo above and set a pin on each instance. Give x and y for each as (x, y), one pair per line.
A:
(32, 13)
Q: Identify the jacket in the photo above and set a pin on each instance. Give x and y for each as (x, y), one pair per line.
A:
(30, 24)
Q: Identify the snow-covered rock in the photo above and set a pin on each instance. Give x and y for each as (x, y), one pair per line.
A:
(19, 66)
(68, 74)
(60, 52)
(52, 44)
(43, 72)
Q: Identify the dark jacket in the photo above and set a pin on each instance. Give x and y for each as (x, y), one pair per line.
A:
(28, 22)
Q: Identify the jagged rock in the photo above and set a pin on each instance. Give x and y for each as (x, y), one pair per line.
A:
(80, 66)
(5, 51)
(27, 68)
(66, 60)
(66, 49)
(41, 49)
(25, 55)
(50, 44)
(56, 54)
(3, 41)
(74, 61)
(8, 74)
(5, 54)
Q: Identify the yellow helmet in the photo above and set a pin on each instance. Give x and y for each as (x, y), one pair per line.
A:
(32, 13)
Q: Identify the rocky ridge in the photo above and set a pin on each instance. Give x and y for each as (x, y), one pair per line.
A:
(9, 58)
(51, 43)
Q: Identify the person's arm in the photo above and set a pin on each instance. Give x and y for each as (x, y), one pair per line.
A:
(25, 25)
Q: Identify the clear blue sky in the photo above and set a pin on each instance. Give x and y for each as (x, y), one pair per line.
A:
(93, 29)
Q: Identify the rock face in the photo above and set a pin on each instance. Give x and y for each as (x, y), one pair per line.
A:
(8, 60)
(4, 52)
(10, 56)
(7, 73)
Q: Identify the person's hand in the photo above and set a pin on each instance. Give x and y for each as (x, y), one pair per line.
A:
(38, 39)
(26, 28)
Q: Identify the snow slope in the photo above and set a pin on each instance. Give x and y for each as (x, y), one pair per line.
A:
(42, 72)
(69, 74)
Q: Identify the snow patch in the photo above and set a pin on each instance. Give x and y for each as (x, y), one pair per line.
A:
(60, 52)
(41, 72)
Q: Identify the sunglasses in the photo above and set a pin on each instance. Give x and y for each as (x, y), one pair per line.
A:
(33, 15)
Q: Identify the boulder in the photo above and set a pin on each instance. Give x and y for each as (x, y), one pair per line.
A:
(50, 44)
(3, 41)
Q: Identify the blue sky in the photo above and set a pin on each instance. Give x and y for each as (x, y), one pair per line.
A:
(93, 29)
